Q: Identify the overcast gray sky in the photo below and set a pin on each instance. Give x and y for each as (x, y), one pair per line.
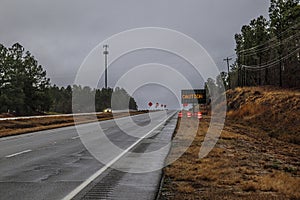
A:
(61, 33)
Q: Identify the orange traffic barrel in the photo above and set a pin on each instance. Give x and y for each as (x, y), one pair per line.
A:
(189, 114)
(180, 114)
(199, 115)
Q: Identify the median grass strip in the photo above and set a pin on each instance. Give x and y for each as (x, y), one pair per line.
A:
(15, 127)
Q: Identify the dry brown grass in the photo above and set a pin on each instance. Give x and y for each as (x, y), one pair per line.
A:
(280, 181)
(277, 182)
(185, 187)
(243, 165)
(275, 111)
(15, 127)
(247, 111)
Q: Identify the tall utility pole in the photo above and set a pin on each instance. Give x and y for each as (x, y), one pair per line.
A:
(105, 52)
(228, 59)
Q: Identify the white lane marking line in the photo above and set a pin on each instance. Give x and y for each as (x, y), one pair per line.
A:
(15, 154)
(73, 138)
(72, 194)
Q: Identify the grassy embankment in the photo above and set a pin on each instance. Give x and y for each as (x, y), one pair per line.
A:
(256, 157)
(14, 127)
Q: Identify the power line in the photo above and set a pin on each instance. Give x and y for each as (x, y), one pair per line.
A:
(270, 40)
(274, 38)
(276, 59)
(257, 67)
(272, 46)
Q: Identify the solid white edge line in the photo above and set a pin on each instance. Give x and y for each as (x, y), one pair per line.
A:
(15, 154)
(100, 171)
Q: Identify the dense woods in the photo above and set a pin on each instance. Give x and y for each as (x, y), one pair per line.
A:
(25, 89)
(267, 50)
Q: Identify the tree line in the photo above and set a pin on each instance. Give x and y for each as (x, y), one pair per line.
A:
(267, 50)
(26, 90)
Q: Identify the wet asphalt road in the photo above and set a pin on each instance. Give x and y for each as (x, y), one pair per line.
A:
(52, 164)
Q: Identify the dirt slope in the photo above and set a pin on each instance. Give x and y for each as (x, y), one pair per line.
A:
(273, 110)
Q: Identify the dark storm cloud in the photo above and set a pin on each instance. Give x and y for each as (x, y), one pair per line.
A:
(61, 33)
